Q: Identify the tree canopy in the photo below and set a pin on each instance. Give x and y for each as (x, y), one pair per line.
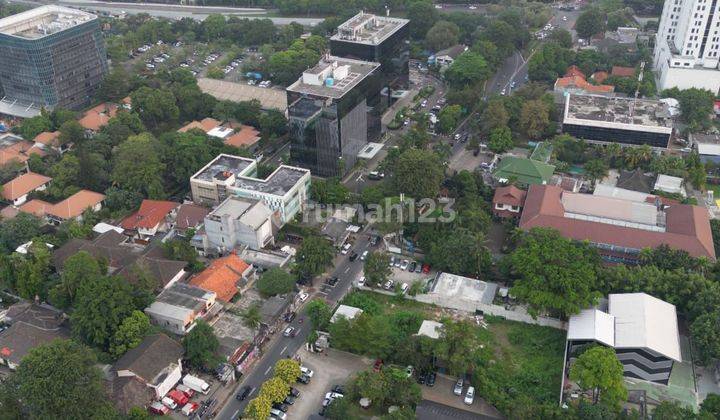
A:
(275, 281)
(200, 345)
(599, 370)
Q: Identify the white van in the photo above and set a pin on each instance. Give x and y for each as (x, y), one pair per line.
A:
(364, 256)
(169, 403)
(346, 248)
(193, 382)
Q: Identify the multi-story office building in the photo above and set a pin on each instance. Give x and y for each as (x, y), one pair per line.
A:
(626, 121)
(379, 39)
(328, 114)
(284, 191)
(687, 49)
(52, 56)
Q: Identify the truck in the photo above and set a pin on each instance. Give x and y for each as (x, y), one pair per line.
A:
(193, 382)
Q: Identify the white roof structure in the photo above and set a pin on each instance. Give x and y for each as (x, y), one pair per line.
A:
(643, 321)
(431, 329)
(604, 190)
(708, 149)
(103, 227)
(670, 184)
(455, 287)
(348, 312)
(592, 325)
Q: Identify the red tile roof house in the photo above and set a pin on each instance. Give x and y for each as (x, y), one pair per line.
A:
(17, 190)
(71, 208)
(225, 276)
(508, 202)
(618, 228)
(153, 217)
(50, 141)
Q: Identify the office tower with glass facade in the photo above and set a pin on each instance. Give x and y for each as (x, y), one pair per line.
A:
(382, 40)
(328, 114)
(51, 57)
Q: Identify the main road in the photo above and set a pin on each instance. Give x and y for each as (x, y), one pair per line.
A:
(281, 347)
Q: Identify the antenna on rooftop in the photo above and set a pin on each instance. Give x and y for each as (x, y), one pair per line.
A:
(637, 89)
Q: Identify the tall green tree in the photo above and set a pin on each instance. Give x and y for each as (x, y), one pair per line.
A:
(591, 22)
(458, 346)
(18, 230)
(554, 273)
(500, 140)
(442, 35)
(32, 276)
(319, 313)
(77, 270)
(377, 268)
(470, 68)
(449, 118)
(130, 333)
(155, 107)
(418, 173)
(599, 370)
(534, 118)
(315, 254)
(275, 281)
(422, 15)
(200, 345)
(138, 166)
(494, 116)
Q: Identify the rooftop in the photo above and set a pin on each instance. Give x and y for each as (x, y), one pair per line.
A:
(149, 215)
(333, 77)
(459, 287)
(43, 21)
(431, 329)
(345, 311)
(220, 169)
(252, 213)
(614, 112)
(185, 296)
(23, 184)
(151, 358)
(222, 276)
(366, 28)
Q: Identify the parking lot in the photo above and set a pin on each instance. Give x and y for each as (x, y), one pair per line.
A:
(331, 368)
(442, 393)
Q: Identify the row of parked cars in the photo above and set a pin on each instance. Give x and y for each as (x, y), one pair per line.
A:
(469, 394)
(179, 398)
(410, 266)
(335, 393)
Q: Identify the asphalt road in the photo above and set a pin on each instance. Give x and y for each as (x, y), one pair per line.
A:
(347, 272)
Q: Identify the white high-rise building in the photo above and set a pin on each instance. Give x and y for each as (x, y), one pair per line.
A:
(687, 48)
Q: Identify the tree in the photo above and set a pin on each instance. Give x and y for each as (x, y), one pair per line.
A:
(59, 380)
(495, 116)
(275, 389)
(319, 313)
(33, 272)
(711, 405)
(458, 346)
(71, 132)
(705, 331)
(77, 270)
(181, 250)
(275, 281)
(418, 173)
(562, 37)
(457, 251)
(258, 408)
(377, 268)
(596, 169)
(130, 333)
(138, 166)
(469, 68)
(252, 316)
(599, 370)
(449, 118)
(155, 106)
(329, 191)
(500, 140)
(115, 85)
(17, 231)
(101, 304)
(422, 16)
(314, 255)
(442, 35)
(550, 61)
(590, 22)
(696, 106)
(534, 118)
(287, 370)
(31, 127)
(554, 273)
(671, 410)
(200, 345)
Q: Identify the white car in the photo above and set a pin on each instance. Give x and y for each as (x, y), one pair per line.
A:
(302, 296)
(361, 282)
(345, 249)
(333, 395)
(438, 6)
(404, 287)
(363, 256)
(306, 371)
(169, 403)
(472, 7)
(278, 414)
(470, 395)
(404, 265)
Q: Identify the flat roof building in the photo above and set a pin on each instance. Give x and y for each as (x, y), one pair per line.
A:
(284, 191)
(177, 307)
(619, 228)
(53, 56)
(626, 121)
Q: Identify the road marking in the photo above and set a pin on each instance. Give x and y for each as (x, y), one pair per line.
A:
(268, 370)
(251, 391)
(235, 413)
(283, 349)
(347, 269)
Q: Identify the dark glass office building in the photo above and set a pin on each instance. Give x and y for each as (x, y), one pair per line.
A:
(328, 114)
(51, 56)
(382, 40)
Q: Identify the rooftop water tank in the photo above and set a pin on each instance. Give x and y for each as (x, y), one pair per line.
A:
(329, 82)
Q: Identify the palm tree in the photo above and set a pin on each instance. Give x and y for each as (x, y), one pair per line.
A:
(252, 316)
(596, 169)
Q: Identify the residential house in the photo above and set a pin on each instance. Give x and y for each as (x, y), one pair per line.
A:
(445, 58)
(619, 228)
(707, 146)
(578, 84)
(671, 185)
(178, 307)
(523, 171)
(15, 149)
(232, 134)
(190, 216)
(97, 117)
(156, 361)
(71, 208)
(31, 325)
(636, 180)
(642, 329)
(346, 312)
(508, 201)
(50, 141)
(123, 258)
(225, 276)
(273, 310)
(17, 190)
(153, 217)
(234, 223)
(128, 392)
(284, 191)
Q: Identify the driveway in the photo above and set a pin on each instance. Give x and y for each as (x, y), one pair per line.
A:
(332, 367)
(442, 393)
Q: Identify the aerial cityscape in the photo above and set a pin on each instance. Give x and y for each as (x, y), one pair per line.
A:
(386, 210)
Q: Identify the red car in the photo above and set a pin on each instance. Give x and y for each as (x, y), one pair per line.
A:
(425, 269)
(185, 390)
(377, 367)
(178, 396)
(158, 409)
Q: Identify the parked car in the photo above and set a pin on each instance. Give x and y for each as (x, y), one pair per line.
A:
(363, 256)
(398, 261)
(345, 249)
(353, 256)
(281, 406)
(404, 287)
(458, 387)
(339, 389)
(190, 408)
(169, 403)
(389, 284)
(332, 281)
(418, 268)
(421, 378)
(304, 379)
(409, 370)
(392, 261)
(470, 395)
(413, 265)
(290, 316)
(244, 392)
(302, 296)
(425, 268)
(289, 332)
(294, 392)
(185, 390)
(404, 264)
(289, 400)
(430, 379)
(361, 282)
(275, 413)
(376, 176)
(377, 366)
